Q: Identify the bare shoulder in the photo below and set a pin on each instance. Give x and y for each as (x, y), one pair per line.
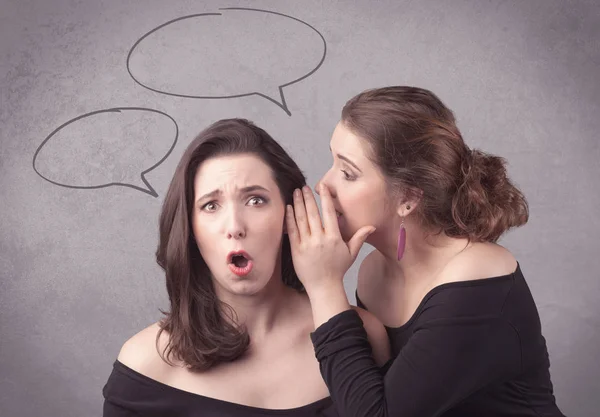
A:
(481, 260)
(377, 335)
(141, 353)
(370, 274)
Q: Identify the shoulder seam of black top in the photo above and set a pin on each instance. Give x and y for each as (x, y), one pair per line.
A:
(520, 345)
(512, 278)
(512, 286)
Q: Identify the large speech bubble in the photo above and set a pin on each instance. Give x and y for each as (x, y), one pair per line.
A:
(106, 148)
(237, 53)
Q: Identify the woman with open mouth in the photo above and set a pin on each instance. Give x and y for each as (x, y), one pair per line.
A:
(235, 341)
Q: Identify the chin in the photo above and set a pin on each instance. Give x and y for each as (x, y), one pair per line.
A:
(346, 233)
(346, 229)
(245, 288)
(248, 285)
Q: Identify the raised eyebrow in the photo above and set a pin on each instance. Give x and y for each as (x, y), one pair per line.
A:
(212, 194)
(252, 188)
(218, 192)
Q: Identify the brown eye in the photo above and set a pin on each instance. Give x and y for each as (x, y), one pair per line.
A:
(210, 206)
(254, 201)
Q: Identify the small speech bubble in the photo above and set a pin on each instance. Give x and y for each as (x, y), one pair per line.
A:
(237, 53)
(107, 147)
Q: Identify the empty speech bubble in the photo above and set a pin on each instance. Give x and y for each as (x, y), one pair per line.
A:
(107, 147)
(235, 53)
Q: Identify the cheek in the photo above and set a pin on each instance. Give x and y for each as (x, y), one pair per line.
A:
(362, 204)
(266, 229)
(196, 229)
(204, 236)
(352, 196)
(269, 226)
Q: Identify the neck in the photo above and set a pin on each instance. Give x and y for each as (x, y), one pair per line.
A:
(259, 313)
(425, 253)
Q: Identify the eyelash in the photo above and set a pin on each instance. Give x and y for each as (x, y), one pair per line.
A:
(264, 200)
(347, 176)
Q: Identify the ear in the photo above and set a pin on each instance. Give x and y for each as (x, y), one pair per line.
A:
(409, 201)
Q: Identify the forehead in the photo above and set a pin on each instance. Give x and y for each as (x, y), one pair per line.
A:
(231, 172)
(345, 142)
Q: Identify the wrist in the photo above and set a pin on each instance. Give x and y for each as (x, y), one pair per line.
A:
(325, 286)
(327, 301)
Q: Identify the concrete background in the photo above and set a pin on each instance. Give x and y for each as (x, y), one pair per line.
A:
(77, 268)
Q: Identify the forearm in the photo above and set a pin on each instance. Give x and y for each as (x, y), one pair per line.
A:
(348, 367)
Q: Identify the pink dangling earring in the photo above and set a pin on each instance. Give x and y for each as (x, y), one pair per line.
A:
(402, 238)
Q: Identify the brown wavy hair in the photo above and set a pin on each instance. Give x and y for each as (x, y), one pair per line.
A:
(200, 333)
(414, 140)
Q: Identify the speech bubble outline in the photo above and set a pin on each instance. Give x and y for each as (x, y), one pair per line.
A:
(282, 103)
(149, 190)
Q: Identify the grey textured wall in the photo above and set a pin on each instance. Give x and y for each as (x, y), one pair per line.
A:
(77, 267)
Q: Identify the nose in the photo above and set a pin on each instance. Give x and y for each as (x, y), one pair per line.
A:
(236, 228)
(325, 181)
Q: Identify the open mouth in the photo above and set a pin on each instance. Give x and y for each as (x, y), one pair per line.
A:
(240, 263)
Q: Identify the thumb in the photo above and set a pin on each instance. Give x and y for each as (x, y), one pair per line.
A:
(358, 239)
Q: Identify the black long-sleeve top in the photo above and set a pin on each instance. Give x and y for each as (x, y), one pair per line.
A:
(471, 349)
